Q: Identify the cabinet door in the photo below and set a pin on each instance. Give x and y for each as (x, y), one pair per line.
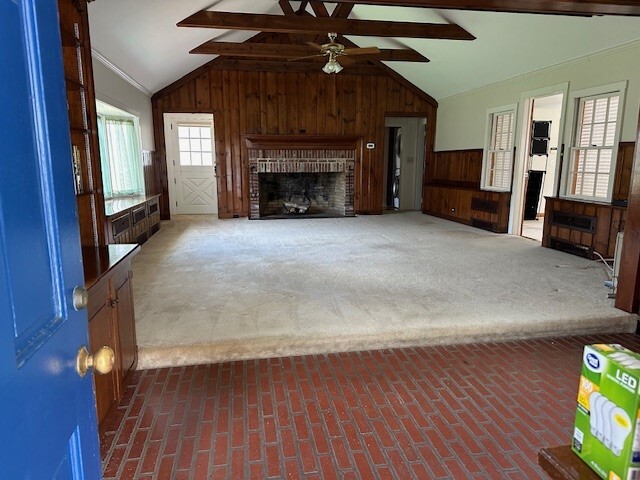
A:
(101, 333)
(127, 327)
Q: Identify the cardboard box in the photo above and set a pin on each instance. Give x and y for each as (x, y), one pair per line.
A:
(606, 433)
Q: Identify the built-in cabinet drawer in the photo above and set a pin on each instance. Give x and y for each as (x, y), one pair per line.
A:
(120, 227)
(136, 220)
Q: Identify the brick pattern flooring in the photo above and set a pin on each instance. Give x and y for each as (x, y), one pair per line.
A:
(478, 411)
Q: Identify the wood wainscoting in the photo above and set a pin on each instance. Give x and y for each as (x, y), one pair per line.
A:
(452, 191)
(290, 103)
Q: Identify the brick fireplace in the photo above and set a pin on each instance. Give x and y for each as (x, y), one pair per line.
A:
(301, 176)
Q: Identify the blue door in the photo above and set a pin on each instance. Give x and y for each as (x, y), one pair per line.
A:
(48, 422)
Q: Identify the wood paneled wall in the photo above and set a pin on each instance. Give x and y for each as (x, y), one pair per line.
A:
(461, 168)
(452, 182)
(290, 103)
(624, 165)
(452, 191)
(151, 170)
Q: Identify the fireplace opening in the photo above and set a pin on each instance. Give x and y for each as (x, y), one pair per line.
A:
(301, 176)
(302, 195)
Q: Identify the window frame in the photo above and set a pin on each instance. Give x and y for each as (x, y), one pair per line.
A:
(490, 117)
(126, 116)
(571, 132)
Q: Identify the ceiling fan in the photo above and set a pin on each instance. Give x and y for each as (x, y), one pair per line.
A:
(333, 50)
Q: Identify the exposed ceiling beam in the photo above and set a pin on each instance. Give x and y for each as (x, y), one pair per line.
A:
(308, 24)
(562, 7)
(275, 50)
(319, 9)
(343, 10)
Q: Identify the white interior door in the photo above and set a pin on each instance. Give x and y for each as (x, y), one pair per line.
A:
(191, 163)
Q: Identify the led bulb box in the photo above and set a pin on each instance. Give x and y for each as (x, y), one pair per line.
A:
(606, 434)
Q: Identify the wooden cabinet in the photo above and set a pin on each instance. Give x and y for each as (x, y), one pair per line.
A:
(132, 219)
(111, 317)
(101, 331)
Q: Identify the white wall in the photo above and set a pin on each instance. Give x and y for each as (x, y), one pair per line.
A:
(114, 90)
(461, 118)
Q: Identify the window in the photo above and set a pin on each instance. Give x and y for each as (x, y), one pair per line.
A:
(195, 146)
(591, 162)
(497, 162)
(120, 156)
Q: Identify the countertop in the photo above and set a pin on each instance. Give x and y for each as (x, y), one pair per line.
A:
(99, 260)
(114, 206)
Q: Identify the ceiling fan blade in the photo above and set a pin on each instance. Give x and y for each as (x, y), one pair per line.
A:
(345, 60)
(305, 57)
(361, 51)
(314, 45)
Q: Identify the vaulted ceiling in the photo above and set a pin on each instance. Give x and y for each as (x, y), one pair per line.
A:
(142, 38)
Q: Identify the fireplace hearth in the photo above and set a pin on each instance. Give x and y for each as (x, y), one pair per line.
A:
(311, 181)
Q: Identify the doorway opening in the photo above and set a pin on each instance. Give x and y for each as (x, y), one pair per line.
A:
(191, 168)
(538, 165)
(404, 143)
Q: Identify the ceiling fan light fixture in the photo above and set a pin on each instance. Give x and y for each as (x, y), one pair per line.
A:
(332, 66)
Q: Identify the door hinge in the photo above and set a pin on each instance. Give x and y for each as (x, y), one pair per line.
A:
(176, 203)
(175, 181)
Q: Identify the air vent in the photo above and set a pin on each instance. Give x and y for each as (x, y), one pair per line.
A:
(571, 248)
(574, 221)
(491, 226)
(482, 205)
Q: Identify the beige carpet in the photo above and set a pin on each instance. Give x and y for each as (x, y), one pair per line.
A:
(209, 290)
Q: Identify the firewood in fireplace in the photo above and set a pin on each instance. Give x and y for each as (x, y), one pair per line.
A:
(296, 205)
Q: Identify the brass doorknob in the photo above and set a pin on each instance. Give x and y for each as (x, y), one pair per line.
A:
(80, 298)
(102, 361)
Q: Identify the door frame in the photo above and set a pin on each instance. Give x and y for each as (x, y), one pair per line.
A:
(516, 209)
(419, 120)
(170, 149)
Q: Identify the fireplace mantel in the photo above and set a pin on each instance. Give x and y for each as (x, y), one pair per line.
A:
(305, 142)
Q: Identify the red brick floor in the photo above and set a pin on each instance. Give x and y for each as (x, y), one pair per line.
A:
(479, 411)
